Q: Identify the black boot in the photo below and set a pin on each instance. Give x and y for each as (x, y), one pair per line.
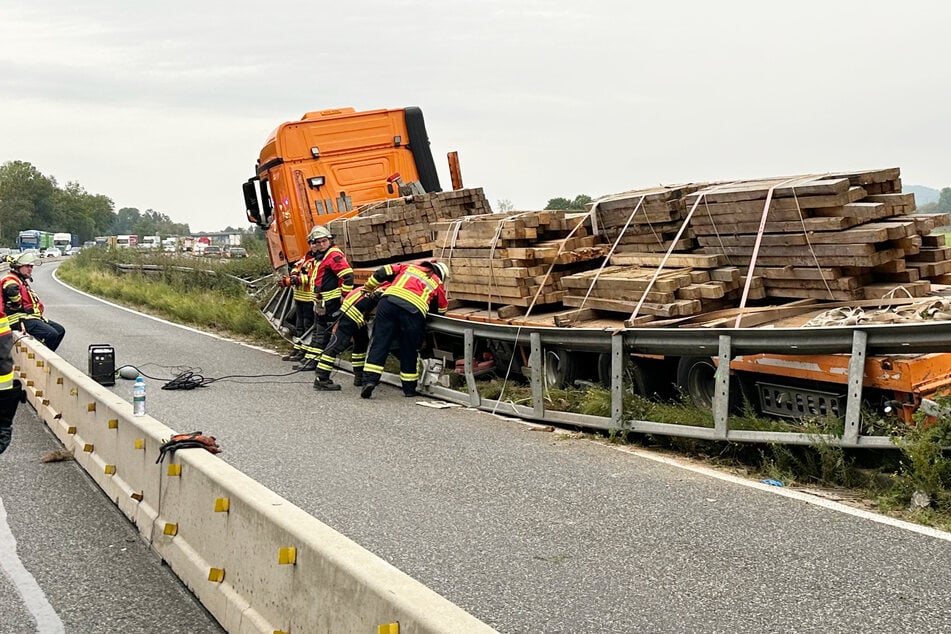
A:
(367, 390)
(409, 388)
(324, 384)
(297, 355)
(357, 377)
(9, 401)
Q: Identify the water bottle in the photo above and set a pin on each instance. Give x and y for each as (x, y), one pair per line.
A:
(138, 397)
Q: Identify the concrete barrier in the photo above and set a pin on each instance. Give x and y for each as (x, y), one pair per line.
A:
(257, 562)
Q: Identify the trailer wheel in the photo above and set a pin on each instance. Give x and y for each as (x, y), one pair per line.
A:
(636, 379)
(558, 366)
(696, 377)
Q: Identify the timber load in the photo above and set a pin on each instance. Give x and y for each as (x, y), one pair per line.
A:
(669, 254)
(400, 228)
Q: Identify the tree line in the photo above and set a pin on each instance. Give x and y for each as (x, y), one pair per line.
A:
(32, 200)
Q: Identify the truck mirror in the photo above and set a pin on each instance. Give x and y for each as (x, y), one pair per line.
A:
(251, 202)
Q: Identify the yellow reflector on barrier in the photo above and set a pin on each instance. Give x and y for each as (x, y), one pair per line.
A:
(222, 505)
(70, 430)
(216, 574)
(39, 363)
(174, 470)
(171, 529)
(113, 423)
(59, 380)
(88, 447)
(139, 443)
(39, 393)
(74, 392)
(30, 355)
(287, 555)
(110, 469)
(388, 628)
(137, 496)
(91, 407)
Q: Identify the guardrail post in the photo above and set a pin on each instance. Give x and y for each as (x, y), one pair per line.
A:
(469, 345)
(535, 361)
(617, 379)
(721, 398)
(853, 408)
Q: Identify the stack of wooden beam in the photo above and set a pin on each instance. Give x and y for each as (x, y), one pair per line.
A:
(516, 258)
(402, 227)
(843, 236)
(646, 220)
(633, 284)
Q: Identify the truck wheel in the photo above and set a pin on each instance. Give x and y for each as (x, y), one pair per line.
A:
(636, 378)
(559, 367)
(419, 146)
(696, 377)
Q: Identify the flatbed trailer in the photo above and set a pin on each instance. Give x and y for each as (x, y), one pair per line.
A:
(324, 167)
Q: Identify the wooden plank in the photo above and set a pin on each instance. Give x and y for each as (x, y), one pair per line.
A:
(758, 190)
(703, 261)
(673, 309)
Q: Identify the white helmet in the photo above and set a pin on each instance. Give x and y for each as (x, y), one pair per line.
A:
(442, 269)
(319, 232)
(24, 259)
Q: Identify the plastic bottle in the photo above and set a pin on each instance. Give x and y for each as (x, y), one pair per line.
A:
(138, 397)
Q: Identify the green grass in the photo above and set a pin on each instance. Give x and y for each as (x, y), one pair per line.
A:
(209, 300)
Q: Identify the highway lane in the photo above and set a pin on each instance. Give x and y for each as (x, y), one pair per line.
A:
(69, 560)
(528, 531)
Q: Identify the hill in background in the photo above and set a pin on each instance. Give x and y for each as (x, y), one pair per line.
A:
(922, 194)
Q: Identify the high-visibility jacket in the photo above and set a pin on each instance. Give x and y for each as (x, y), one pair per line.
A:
(303, 269)
(359, 303)
(19, 300)
(333, 278)
(6, 353)
(417, 286)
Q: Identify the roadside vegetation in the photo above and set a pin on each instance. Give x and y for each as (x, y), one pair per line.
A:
(204, 293)
(911, 482)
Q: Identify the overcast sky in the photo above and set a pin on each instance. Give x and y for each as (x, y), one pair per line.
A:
(165, 105)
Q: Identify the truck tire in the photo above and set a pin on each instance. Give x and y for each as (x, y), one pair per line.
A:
(419, 146)
(697, 378)
(558, 366)
(637, 379)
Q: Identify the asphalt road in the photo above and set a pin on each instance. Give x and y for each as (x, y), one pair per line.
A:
(528, 531)
(69, 560)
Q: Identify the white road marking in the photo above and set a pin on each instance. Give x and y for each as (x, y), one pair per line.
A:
(792, 493)
(47, 621)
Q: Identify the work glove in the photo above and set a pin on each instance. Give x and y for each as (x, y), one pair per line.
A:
(284, 282)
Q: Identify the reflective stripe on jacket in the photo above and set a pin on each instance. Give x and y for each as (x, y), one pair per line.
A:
(19, 300)
(334, 277)
(303, 292)
(413, 284)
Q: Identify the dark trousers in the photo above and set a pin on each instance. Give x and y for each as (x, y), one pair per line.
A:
(346, 331)
(303, 319)
(49, 333)
(393, 322)
(9, 401)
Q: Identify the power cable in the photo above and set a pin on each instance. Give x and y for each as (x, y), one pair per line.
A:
(190, 378)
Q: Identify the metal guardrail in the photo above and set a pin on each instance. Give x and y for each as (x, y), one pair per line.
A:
(724, 344)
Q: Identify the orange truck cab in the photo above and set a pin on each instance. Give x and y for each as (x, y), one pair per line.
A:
(326, 165)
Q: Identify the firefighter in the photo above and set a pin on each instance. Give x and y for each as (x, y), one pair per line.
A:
(351, 326)
(414, 290)
(332, 279)
(23, 308)
(300, 281)
(11, 392)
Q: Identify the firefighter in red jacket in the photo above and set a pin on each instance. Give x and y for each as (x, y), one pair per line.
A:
(351, 326)
(23, 308)
(300, 281)
(11, 393)
(414, 290)
(332, 279)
